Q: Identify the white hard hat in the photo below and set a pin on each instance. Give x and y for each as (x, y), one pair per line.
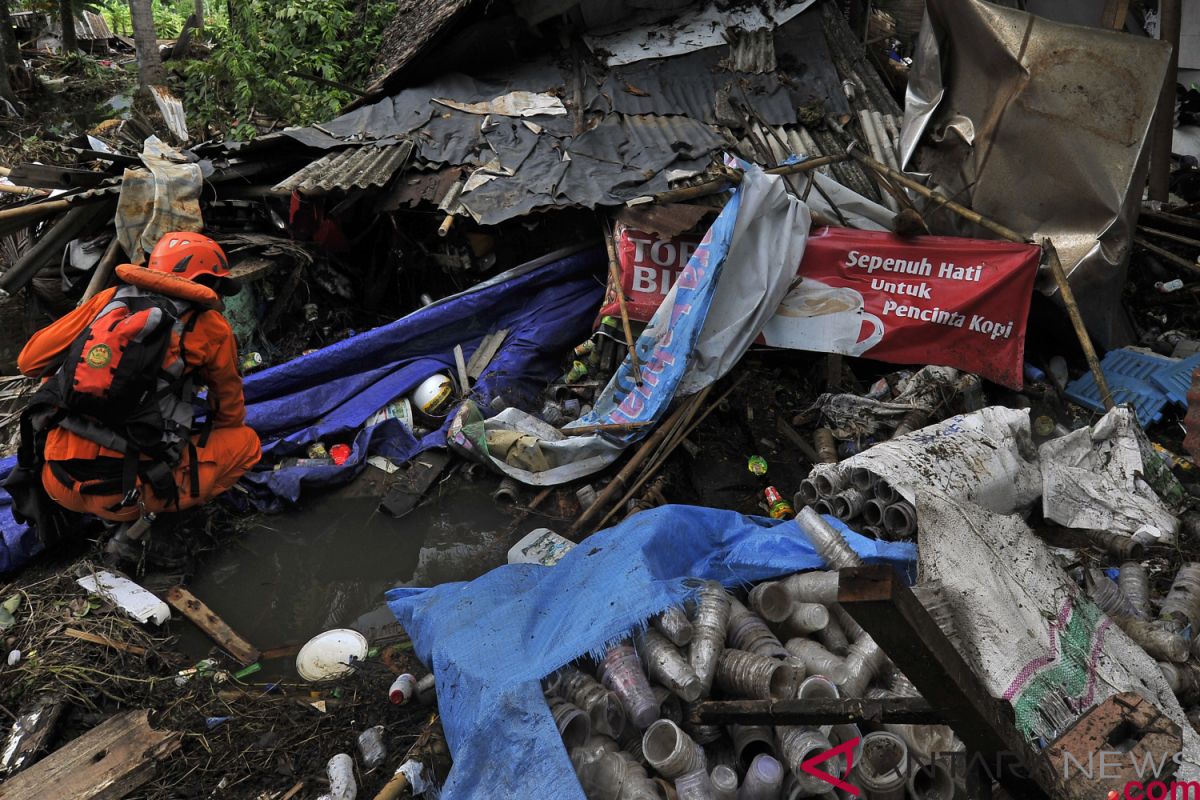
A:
(433, 395)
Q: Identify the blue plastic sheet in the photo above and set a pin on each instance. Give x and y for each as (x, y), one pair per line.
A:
(491, 640)
(328, 395)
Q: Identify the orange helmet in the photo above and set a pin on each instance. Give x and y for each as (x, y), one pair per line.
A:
(193, 256)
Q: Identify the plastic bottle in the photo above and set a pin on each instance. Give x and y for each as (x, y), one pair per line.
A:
(1183, 600)
(806, 618)
(1108, 595)
(817, 660)
(749, 675)
(746, 631)
(573, 724)
(371, 747)
(751, 741)
(1135, 585)
(670, 751)
(833, 636)
(900, 520)
(827, 541)
(709, 624)
(863, 479)
(882, 772)
(1159, 643)
(818, 687)
(818, 586)
(675, 625)
(695, 785)
(777, 506)
(931, 781)
(797, 745)
(427, 690)
(849, 504)
(667, 665)
(763, 781)
(885, 493)
(826, 445)
(621, 672)
(724, 782)
(603, 707)
(403, 689)
(862, 664)
(341, 778)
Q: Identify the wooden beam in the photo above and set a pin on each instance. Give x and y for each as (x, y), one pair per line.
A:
(203, 617)
(879, 600)
(903, 710)
(106, 763)
(31, 733)
(1114, 14)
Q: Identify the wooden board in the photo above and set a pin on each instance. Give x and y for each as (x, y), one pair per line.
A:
(106, 763)
(413, 481)
(484, 354)
(879, 600)
(31, 733)
(194, 609)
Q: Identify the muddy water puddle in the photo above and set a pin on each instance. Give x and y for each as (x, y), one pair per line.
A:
(328, 565)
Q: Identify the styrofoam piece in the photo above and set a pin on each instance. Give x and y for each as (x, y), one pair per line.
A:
(126, 595)
(329, 655)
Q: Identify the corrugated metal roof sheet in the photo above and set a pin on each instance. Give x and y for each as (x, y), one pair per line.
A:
(349, 168)
(88, 25)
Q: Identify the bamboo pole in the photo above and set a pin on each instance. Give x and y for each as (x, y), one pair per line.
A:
(617, 427)
(720, 184)
(1173, 237)
(684, 431)
(1178, 261)
(614, 274)
(621, 479)
(104, 270)
(1056, 267)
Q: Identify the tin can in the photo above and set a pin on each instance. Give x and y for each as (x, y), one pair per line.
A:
(402, 689)
(317, 450)
(584, 349)
(757, 466)
(251, 362)
(311, 312)
(778, 506)
(577, 372)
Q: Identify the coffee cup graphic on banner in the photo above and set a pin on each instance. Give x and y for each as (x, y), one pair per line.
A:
(824, 319)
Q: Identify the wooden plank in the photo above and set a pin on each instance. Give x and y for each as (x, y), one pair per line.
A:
(879, 600)
(202, 616)
(464, 383)
(96, 638)
(1114, 14)
(31, 733)
(413, 481)
(484, 354)
(106, 763)
(901, 710)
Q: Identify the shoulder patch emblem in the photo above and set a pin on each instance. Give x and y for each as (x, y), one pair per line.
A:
(98, 356)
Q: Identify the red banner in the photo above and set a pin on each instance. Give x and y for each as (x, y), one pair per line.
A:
(922, 300)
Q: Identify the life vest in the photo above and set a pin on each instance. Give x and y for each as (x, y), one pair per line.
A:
(122, 385)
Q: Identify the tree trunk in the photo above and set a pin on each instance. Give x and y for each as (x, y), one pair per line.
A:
(198, 10)
(66, 19)
(8, 34)
(150, 68)
(7, 55)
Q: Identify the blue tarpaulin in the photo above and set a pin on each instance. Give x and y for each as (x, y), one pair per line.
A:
(547, 306)
(492, 640)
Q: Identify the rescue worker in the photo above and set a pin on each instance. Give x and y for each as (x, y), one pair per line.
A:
(78, 471)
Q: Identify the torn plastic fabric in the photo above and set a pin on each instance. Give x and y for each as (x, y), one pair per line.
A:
(701, 330)
(490, 641)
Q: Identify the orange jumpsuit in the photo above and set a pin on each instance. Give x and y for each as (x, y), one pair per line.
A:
(232, 447)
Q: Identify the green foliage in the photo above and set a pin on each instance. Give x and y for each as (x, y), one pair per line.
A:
(258, 56)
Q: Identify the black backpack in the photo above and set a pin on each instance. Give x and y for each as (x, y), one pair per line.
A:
(111, 387)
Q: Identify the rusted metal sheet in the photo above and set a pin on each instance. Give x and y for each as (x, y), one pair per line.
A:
(350, 168)
(172, 111)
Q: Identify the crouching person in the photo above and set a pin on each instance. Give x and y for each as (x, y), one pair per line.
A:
(113, 430)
